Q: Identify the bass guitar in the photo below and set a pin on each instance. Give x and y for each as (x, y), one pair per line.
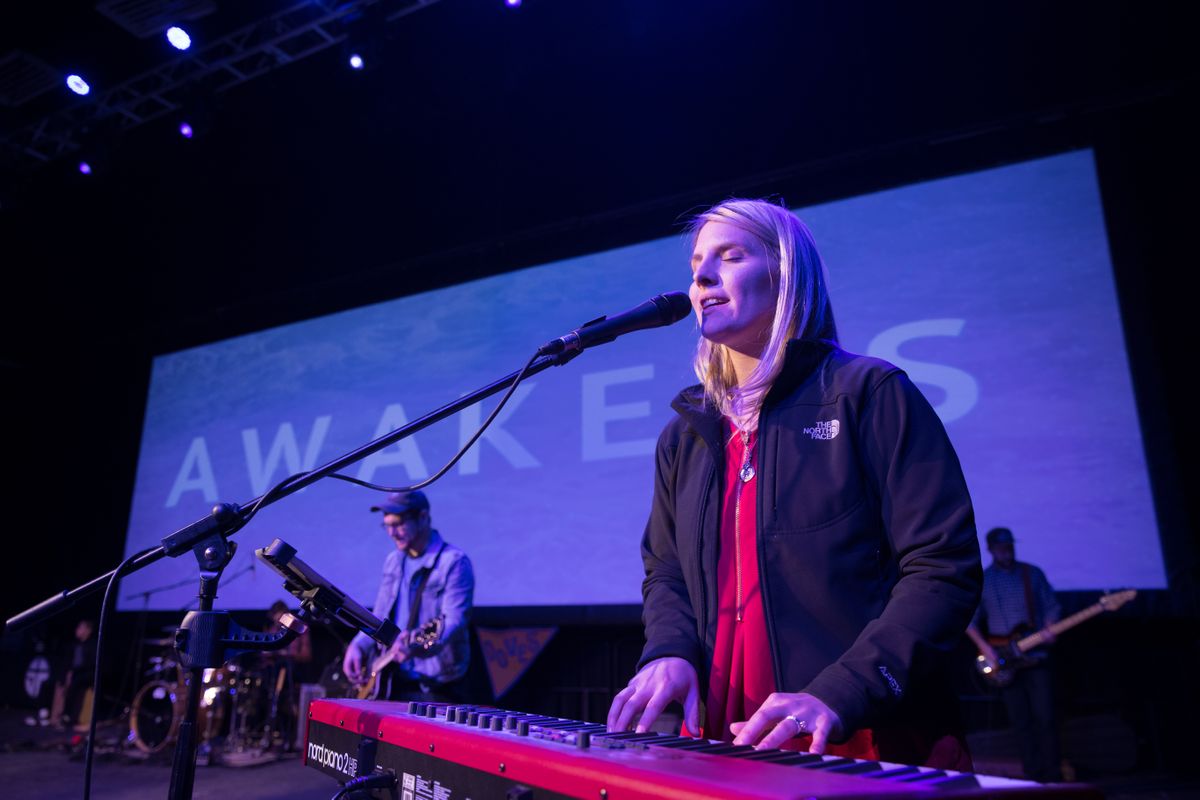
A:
(421, 638)
(1011, 650)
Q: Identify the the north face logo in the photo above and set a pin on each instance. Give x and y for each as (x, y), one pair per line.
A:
(826, 429)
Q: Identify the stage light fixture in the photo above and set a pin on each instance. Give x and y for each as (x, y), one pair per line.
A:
(78, 85)
(195, 116)
(178, 38)
(96, 144)
(362, 33)
(512, 3)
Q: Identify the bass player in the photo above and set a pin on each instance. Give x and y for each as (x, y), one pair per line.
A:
(1017, 599)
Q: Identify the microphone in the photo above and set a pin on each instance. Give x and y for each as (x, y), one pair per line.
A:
(660, 310)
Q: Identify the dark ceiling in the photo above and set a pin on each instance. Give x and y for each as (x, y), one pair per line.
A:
(481, 124)
(485, 138)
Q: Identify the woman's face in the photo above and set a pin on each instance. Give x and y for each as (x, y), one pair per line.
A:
(733, 288)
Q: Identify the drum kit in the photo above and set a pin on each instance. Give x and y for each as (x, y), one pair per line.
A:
(246, 714)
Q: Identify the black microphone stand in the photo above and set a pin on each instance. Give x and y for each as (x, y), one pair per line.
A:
(208, 638)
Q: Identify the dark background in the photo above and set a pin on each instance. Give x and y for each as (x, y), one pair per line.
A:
(485, 139)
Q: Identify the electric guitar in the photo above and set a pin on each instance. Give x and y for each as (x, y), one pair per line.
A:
(1011, 649)
(421, 638)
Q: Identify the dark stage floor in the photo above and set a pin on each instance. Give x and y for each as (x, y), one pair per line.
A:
(41, 762)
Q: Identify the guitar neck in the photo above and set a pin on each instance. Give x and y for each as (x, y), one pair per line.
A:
(1035, 639)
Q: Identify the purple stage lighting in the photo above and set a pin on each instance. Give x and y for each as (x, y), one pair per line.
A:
(178, 38)
(78, 85)
(85, 168)
(512, 3)
(356, 61)
(185, 130)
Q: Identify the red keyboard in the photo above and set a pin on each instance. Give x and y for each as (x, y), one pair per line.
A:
(458, 752)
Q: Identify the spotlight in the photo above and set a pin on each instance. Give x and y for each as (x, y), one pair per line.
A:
(178, 38)
(512, 3)
(85, 168)
(78, 85)
(186, 131)
(361, 37)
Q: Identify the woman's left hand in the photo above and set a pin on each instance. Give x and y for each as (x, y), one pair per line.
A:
(785, 716)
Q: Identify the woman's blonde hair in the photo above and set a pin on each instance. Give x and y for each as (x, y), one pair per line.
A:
(802, 307)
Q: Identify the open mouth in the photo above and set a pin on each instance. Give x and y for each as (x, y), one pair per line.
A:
(709, 302)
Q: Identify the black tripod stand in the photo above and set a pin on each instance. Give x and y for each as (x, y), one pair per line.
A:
(207, 639)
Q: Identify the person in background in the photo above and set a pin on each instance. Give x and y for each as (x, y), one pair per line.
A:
(78, 674)
(1017, 599)
(427, 589)
(810, 556)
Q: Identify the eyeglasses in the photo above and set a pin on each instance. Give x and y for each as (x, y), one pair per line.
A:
(407, 516)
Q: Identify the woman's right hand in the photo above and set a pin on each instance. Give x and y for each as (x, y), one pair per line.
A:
(662, 681)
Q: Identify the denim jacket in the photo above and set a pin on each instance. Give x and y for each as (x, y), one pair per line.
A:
(449, 591)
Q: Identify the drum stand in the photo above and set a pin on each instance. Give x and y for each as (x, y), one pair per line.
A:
(208, 639)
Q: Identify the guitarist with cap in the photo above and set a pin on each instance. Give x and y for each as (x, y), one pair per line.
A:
(427, 589)
(1017, 599)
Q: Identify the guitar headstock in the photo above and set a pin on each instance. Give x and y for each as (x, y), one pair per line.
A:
(1114, 600)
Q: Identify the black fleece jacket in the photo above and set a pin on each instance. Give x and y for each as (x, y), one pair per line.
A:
(867, 546)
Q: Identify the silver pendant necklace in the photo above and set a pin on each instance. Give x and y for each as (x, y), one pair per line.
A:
(747, 471)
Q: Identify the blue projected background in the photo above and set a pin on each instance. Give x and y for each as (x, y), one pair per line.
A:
(994, 291)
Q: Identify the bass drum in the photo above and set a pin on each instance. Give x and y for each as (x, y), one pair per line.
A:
(154, 718)
(159, 708)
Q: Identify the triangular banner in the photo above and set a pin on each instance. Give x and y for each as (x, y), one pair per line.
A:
(508, 652)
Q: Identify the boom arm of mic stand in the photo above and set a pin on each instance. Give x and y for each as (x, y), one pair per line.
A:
(227, 518)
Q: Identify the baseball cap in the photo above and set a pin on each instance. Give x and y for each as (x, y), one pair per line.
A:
(400, 502)
(999, 536)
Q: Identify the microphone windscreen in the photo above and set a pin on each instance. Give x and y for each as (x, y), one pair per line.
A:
(675, 306)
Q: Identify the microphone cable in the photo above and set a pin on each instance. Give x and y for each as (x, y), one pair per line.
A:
(275, 490)
(379, 780)
(110, 593)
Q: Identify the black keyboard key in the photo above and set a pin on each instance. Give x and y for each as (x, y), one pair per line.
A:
(785, 758)
(632, 737)
(961, 780)
(830, 762)
(715, 748)
(924, 776)
(894, 772)
(562, 725)
(857, 768)
(681, 743)
(741, 751)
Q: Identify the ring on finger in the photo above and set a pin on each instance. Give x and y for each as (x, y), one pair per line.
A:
(800, 724)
